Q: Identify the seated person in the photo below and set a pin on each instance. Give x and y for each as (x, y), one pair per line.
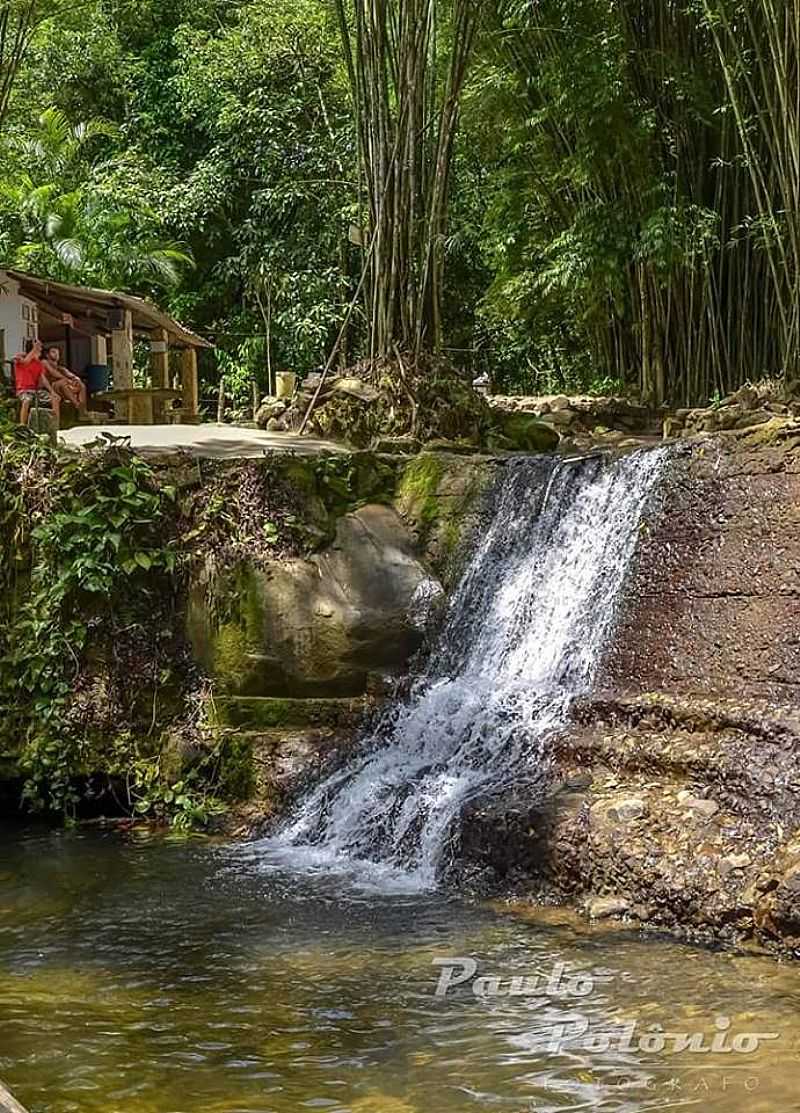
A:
(65, 383)
(31, 382)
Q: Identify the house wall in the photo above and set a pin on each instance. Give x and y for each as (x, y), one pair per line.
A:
(18, 319)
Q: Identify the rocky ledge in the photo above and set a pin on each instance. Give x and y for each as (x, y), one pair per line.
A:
(677, 814)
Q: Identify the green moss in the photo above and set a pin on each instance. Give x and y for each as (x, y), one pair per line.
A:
(264, 713)
(236, 774)
(780, 430)
(229, 648)
(418, 487)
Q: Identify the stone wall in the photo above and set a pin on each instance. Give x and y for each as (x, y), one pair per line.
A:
(714, 605)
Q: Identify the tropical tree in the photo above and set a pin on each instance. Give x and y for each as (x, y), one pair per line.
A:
(63, 219)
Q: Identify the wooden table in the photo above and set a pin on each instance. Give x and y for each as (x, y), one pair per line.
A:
(140, 405)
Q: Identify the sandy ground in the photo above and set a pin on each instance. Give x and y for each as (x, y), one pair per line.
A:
(219, 441)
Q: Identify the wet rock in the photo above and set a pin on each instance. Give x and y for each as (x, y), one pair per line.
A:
(607, 908)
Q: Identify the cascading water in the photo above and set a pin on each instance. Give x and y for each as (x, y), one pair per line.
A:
(523, 636)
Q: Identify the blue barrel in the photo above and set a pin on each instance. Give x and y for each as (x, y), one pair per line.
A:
(96, 377)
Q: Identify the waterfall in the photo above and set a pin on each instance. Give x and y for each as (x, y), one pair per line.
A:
(523, 636)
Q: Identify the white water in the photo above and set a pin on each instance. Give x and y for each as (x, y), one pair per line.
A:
(523, 636)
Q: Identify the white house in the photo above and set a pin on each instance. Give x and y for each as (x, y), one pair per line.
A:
(19, 319)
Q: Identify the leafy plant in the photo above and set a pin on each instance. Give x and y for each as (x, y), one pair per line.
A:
(100, 532)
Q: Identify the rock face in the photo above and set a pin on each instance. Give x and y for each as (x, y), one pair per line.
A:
(318, 626)
(675, 797)
(714, 606)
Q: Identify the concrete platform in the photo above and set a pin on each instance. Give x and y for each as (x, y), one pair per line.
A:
(212, 441)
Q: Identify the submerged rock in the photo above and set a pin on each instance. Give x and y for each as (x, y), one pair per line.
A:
(606, 908)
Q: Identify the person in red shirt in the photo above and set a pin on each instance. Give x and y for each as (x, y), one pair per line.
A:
(31, 382)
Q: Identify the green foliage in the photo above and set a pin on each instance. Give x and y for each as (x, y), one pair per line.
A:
(94, 543)
(102, 533)
(622, 195)
(64, 217)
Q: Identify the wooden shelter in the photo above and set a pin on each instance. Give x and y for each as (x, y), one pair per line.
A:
(98, 329)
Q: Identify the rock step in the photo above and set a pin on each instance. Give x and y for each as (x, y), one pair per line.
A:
(258, 713)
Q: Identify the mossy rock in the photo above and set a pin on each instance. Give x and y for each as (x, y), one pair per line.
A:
(418, 487)
(438, 495)
(317, 626)
(256, 713)
(526, 433)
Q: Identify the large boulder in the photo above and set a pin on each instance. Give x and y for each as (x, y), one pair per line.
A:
(316, 626)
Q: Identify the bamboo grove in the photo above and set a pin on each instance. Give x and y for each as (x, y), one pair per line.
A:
(406, 106)
(563, 194)
(705, 292)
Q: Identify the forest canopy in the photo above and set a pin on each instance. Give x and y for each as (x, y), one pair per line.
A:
(584, 194)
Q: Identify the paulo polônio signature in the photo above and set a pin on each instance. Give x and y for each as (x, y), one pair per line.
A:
(575, 1031)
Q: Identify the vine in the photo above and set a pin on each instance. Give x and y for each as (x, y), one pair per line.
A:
(92, 555)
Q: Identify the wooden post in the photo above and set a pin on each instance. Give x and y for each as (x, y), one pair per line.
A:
(122, 355)
(8, 1103)
(159, 359)
(189, 384)
(159, 370)
(99, 350)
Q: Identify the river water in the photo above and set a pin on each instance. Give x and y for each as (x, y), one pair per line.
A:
(149, 975)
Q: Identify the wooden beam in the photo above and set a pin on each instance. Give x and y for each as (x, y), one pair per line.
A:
(159, 371)
(8, 1103)
(189, 383)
